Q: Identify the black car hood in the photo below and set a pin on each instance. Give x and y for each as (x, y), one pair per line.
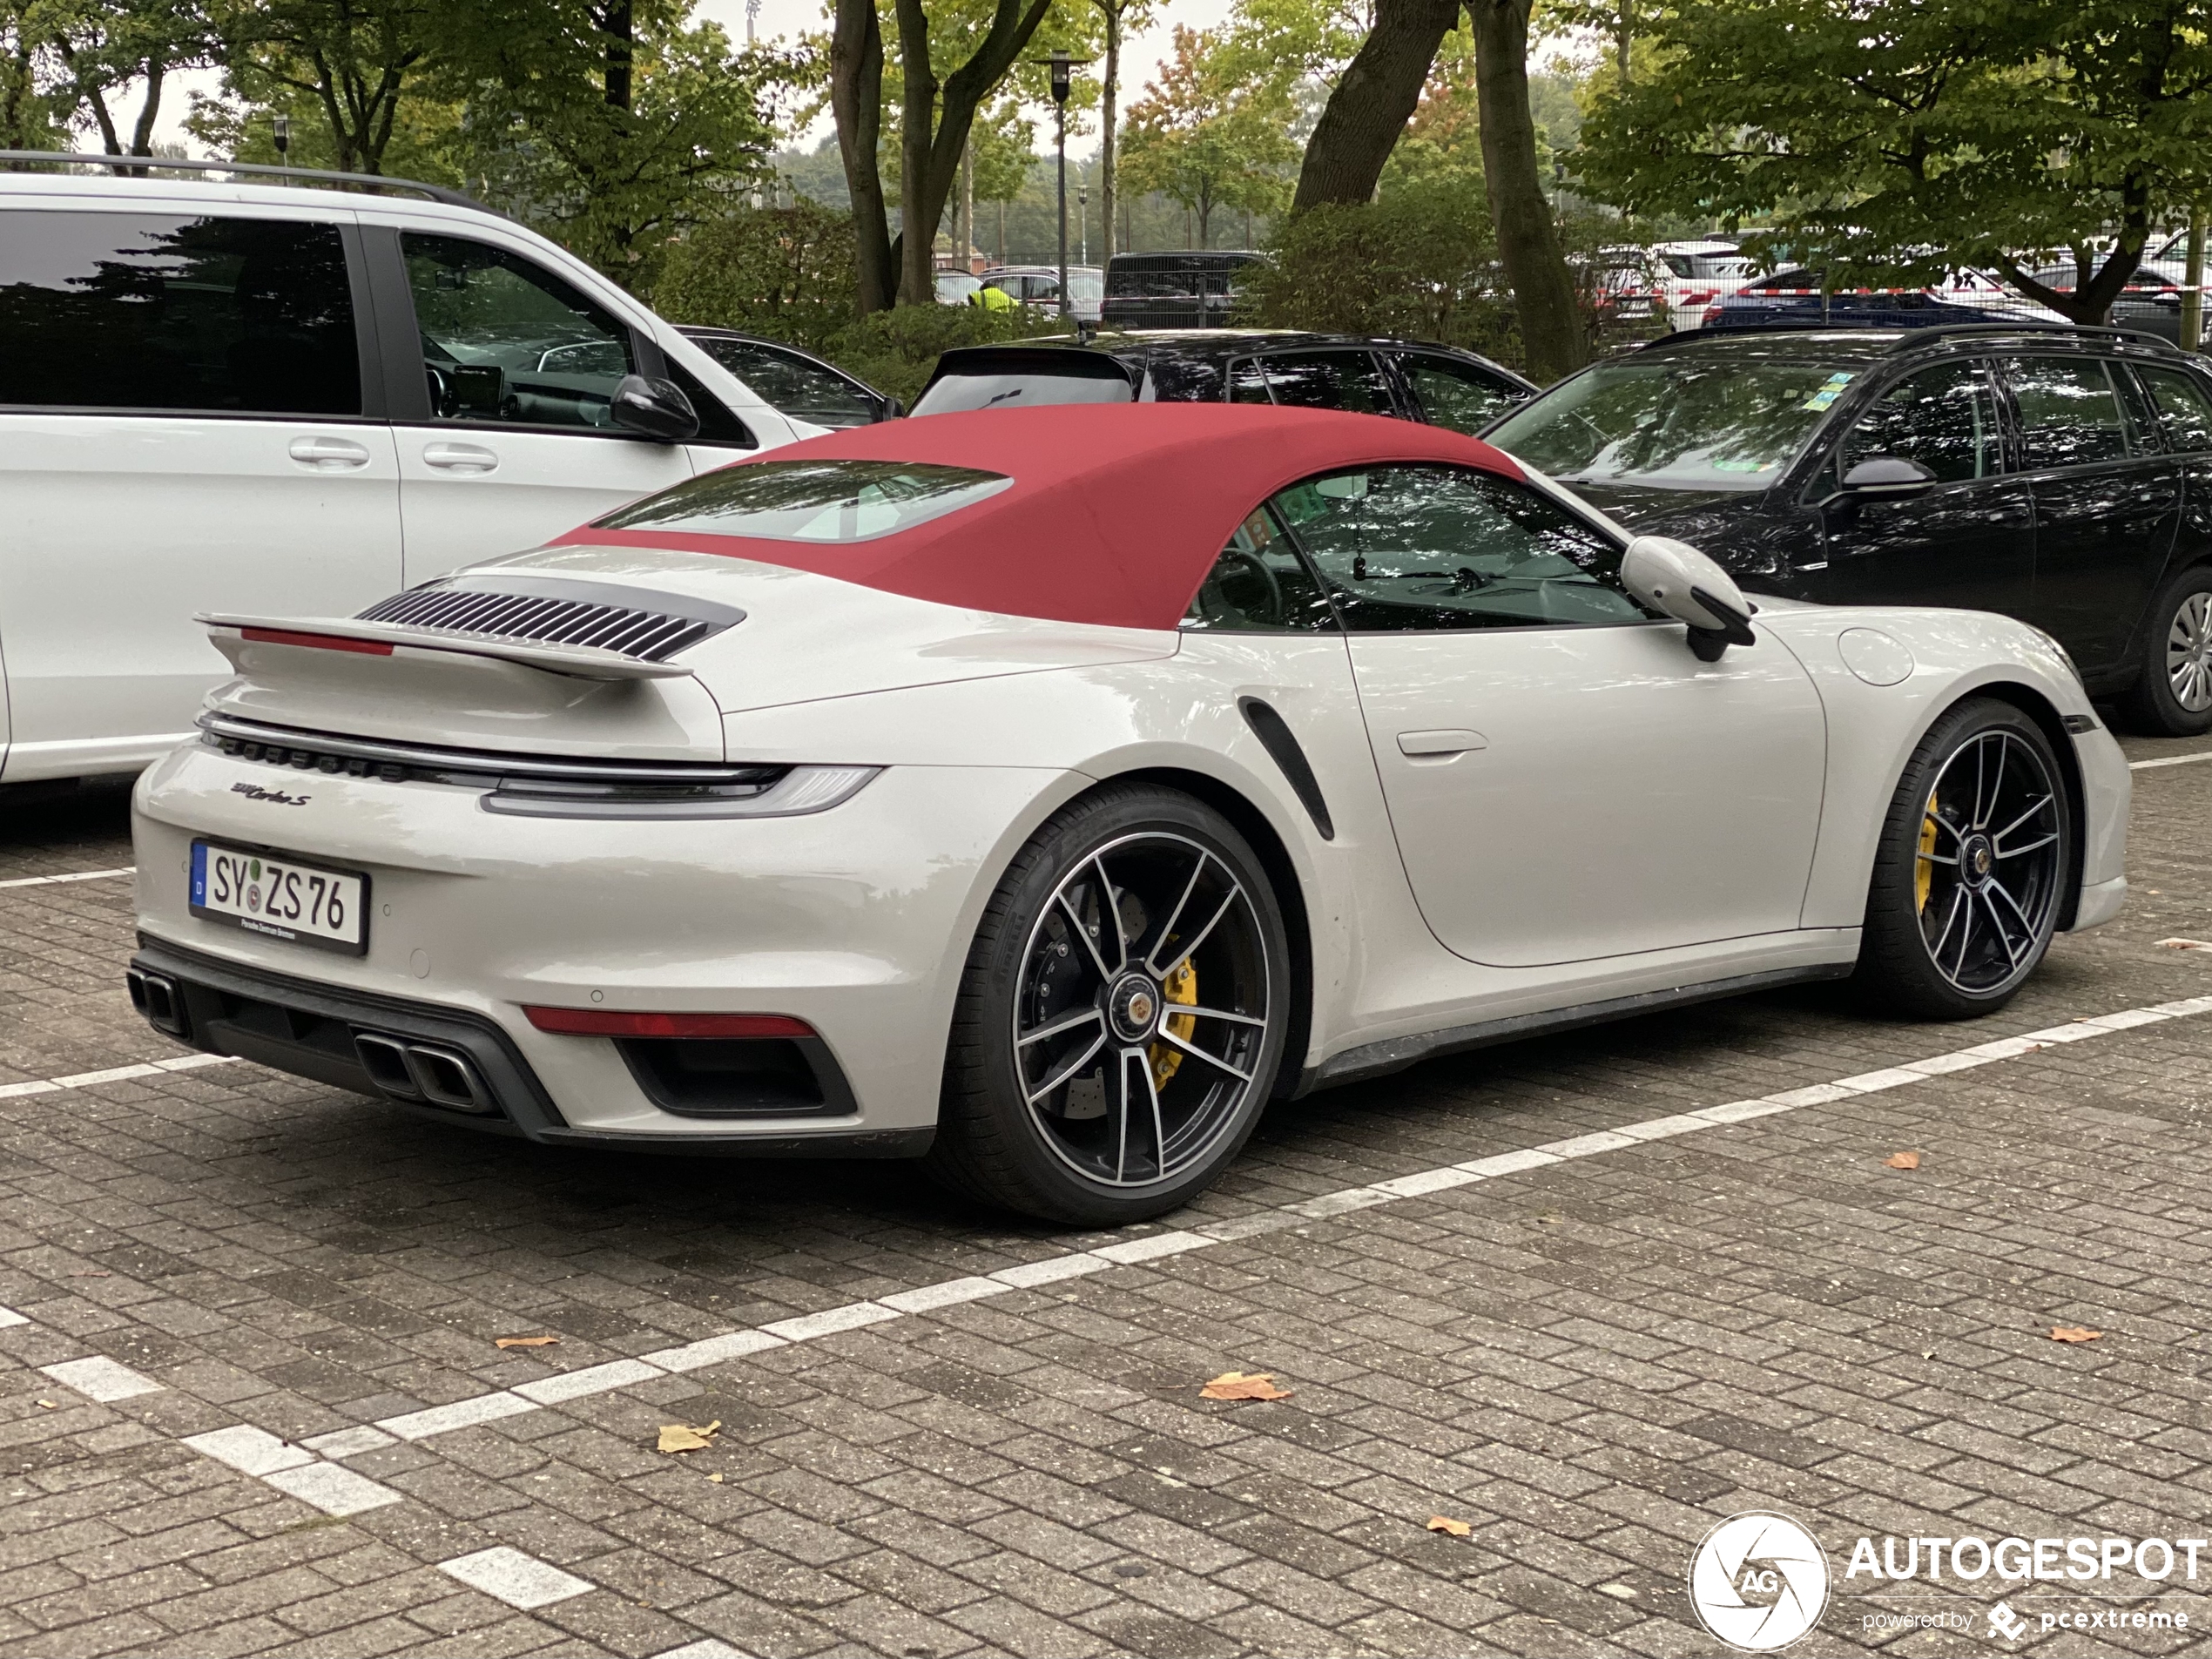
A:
(1641, 507)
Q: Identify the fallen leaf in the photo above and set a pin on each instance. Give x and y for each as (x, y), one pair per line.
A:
(1550, 1218)
(48, 1406)
(2185, 944)
(682, 1437)
(2073, 1333)
(1235, 1384)
(1903, 1160)
(716, 1479)
(525, 1342)
(1445, 1523)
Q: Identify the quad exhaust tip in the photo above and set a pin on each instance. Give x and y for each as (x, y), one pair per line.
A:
(155, 995)
(423, 1072)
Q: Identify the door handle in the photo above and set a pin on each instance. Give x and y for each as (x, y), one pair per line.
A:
(459, 457)
(329, 454)
(1437, 745)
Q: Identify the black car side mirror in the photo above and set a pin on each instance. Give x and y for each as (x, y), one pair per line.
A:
(1887, 478)
(890, 409)
(654, 408)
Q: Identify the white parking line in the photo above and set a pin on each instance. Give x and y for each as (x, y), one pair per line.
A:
(2168, 760)
(97, 1376)
(518, 1580)
(74, 875)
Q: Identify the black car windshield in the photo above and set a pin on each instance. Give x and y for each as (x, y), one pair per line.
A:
(1021, 388)
(1718, 422)
(810, 500)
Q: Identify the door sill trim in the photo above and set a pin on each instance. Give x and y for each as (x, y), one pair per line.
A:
(1396, 1054)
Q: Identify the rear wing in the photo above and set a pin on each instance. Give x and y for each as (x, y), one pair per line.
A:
(230, 634)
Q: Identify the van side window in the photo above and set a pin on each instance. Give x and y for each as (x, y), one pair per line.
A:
(505, 343)
(176, 312)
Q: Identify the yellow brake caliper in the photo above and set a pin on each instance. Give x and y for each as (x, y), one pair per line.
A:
(1180, 986)
(1923, 869)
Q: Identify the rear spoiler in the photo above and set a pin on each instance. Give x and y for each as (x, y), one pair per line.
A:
(230, 634)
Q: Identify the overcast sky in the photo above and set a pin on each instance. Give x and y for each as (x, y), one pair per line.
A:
(1140, 54)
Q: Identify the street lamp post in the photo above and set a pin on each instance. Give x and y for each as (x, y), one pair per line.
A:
(1083, 218)
(1061, 66)
(280, 129)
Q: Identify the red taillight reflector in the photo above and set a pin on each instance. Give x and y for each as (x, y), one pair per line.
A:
(612, 1022)
(316, 641)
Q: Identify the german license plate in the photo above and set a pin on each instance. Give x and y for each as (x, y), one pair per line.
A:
(281, 897)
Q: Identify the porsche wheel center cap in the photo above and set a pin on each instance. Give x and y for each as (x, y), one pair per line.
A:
(1977, 858)
(1133, 1005)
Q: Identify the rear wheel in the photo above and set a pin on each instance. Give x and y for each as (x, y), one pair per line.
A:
(2171, 695)
(1121, 1019)
(1971, 869)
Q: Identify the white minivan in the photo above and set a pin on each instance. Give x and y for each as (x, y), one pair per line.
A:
(225, 396)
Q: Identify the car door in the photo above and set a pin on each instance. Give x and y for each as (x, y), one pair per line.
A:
(1347, 378)
(2108, 501)
(1449, 393)
(517, 443)
(1565, 779)
(1969, 541)
(794, 383)
(189, 421)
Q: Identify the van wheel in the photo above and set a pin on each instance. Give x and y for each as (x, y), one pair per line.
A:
(1968, 875)
(2171, 695)
(1121, 1019)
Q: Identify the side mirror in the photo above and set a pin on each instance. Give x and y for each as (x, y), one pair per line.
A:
(1675, 578)
(890, 409)
(654, 408)
(1887, 478)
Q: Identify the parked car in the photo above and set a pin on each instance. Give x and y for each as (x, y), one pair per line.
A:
(1043, 791)
(799, 383)
(955, 287)
(296, 399)
(1696, 274)
(2063, 476)
(1409, 379)
(1039, 286)
(1793, 299)
(1193, 290)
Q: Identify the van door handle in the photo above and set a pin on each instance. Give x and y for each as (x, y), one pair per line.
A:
(1436, 745)
(329, 454)
(459, 457)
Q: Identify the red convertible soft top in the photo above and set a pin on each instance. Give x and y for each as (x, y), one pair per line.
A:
(1116, 514)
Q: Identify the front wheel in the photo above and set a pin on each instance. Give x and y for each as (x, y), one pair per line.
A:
(1121, 1019)
(2171, 695)
(1971, 869)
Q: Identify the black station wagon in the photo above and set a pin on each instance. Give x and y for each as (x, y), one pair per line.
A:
(2061, 475)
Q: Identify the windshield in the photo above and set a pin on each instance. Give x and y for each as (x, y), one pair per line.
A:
(810, 500)
(1718, 423)
(1020, 388)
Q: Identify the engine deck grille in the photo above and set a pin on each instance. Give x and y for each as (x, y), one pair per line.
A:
(650, 636)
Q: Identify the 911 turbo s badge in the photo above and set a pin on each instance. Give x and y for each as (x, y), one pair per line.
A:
(275, 797)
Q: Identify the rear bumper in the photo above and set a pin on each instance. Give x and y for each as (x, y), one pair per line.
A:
(443, 1063)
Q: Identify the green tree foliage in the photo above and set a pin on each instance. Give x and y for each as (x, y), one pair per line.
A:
(342, 67)
(1209, 137)
(101, 52)
(894, 350)
(784, 272)
(1906, 135)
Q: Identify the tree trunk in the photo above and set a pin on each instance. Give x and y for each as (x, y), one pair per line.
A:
(1106, 90)
(856, 99)
(1370, 105)
(617, 24)
(142, 137)
(2193, 284)
(1551, 324)
(937, 118)
(1624, 34)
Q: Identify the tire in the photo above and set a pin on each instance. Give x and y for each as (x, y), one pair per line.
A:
(2171, 695)
(1064, 1035)
(1950, 934)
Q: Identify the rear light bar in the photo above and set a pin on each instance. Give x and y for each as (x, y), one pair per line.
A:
(316, 641)
(610, 1022)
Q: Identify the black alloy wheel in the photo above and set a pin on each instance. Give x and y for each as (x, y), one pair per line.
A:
(1972, 866)
(2171, 695)
(1120, 1021)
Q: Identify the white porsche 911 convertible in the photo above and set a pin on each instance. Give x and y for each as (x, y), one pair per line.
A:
(1043, 793)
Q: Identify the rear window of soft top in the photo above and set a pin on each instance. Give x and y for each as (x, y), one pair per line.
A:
(810, 500)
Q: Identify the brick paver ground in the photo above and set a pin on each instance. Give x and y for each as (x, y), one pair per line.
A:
(1589, 1364)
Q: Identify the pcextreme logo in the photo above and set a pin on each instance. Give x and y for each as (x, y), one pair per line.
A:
(1758, 1581)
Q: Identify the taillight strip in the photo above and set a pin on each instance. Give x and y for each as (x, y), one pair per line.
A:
(316, 641)
(614, 1023)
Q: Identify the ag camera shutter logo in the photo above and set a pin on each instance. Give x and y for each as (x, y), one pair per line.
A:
(1759, 1582)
